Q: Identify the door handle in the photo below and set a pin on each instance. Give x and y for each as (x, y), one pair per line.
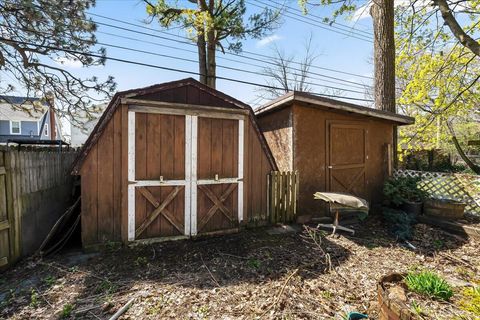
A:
(330, 167)
(216, 177)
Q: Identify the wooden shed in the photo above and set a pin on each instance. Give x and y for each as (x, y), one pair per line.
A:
(335, 146)
(172, 160)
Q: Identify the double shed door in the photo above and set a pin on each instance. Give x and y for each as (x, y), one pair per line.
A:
(185, 174)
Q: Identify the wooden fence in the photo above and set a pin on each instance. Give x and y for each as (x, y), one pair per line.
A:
(440, 185)
(282, 196)
(35, 188)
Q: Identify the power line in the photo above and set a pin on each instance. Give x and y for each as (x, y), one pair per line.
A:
(230, 53)
(301, 18)
(221, 66)
(348, 28)
(341, 82)
(195, 61)
(235, 54)
(99, 56)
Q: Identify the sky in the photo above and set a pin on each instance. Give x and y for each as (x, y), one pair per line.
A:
(344, 51)
(335, 51)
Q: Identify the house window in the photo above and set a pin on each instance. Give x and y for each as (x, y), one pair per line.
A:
(15, 127)
(45, 130)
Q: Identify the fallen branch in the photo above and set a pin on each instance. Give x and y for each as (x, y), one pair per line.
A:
(280, 293)
(211, 275)
(122, 310)
(453, 258)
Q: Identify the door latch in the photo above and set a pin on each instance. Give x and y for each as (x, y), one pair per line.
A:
(216, 177)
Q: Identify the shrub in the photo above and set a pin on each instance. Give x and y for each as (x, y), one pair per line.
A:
(403, 189)
(429, 284)
(399, 223)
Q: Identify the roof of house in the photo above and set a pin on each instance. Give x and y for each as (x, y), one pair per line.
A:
(151, 93)
(318, 101)
(21, 108)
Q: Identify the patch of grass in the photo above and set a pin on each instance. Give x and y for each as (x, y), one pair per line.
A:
(438, 244)
(471, 300)
(33, 298)
(326, 294)
(254, 263)
(73, 269)
(429, 284)
(106, 286)
(141, 261)
(203, 312)
(417, 308)
(50, 280)
(67, 310)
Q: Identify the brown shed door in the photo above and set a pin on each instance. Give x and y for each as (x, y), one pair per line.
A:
(185, 174)
(346, 158)
(217, 194)
(159, 175)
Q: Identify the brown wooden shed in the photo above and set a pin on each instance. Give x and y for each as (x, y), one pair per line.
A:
(172, 160)
(335, 146)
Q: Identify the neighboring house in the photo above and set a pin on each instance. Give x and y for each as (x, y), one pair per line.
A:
(80, 133)
(24, 118)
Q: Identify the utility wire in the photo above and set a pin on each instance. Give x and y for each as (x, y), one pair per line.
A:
(188, 42)
(320, 20)
(196, 62)
(262, 67)
(99, 56)
(301, 18)
(236, 54)
(231, 53)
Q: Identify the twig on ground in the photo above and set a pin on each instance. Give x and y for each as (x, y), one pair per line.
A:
(93, 314)
(211, 275)
(280, 293)
(232, 255)
(122, 310)
(61, 268)
(452, 258)
(43, 297)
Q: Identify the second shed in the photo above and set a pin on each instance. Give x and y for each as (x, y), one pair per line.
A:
(334, 145)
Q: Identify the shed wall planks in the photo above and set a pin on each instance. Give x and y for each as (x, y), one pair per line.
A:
(102, 186)
(105, 172)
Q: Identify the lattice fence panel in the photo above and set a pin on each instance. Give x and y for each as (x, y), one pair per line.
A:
(441, 185)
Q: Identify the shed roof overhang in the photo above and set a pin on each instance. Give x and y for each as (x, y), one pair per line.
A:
(311, 100)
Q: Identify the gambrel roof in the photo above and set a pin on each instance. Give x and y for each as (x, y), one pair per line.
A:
(185, 91)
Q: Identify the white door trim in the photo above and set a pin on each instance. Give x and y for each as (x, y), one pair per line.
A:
(193, 177)
(241, 141)
(188, 174)
(131, 175)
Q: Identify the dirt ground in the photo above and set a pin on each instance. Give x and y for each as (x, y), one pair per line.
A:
(251, 275)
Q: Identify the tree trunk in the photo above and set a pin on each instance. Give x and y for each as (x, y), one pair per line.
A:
(211, 59)
(460, 151)
(202, 53)
(202, 58)
(382, 12)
